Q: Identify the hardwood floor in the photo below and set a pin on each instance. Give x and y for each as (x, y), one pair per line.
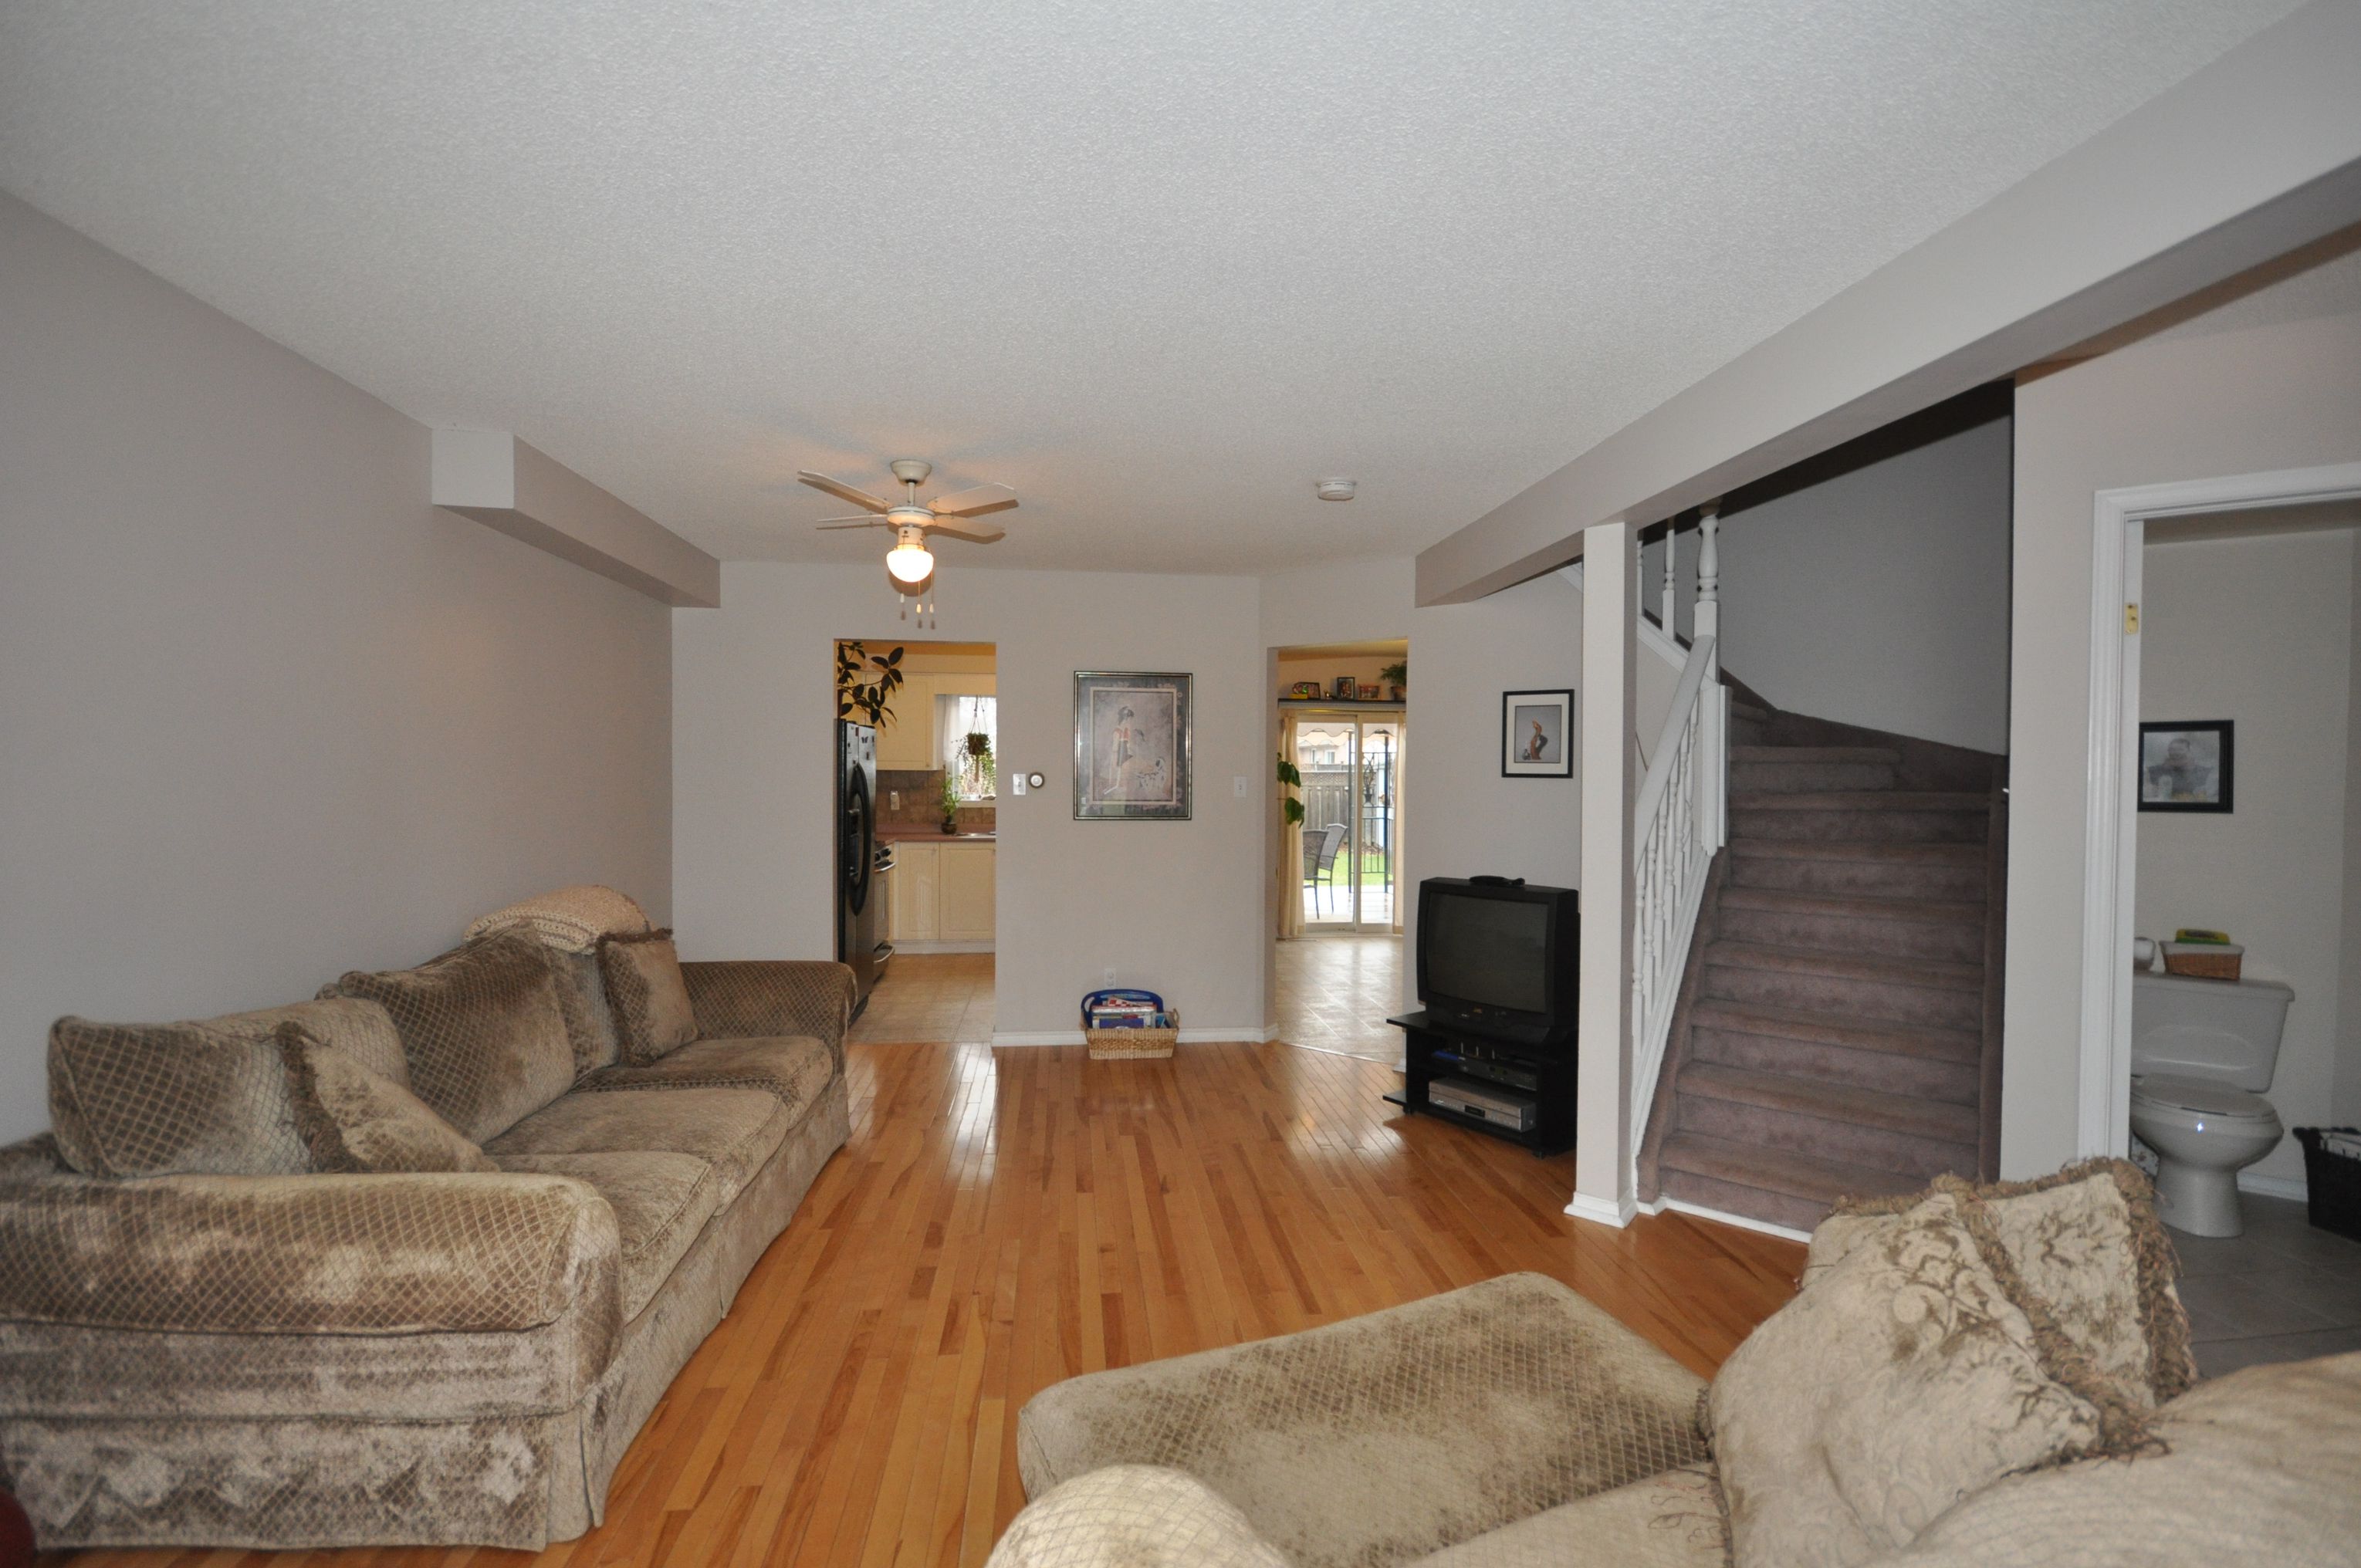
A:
(1003, 1219)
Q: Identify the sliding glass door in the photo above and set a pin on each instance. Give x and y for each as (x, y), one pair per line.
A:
(1351, 765)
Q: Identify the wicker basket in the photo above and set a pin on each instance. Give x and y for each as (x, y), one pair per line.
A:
(1133, 1044)
(2204, 961)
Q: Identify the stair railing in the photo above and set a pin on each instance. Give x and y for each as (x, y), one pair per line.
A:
(1680, 821)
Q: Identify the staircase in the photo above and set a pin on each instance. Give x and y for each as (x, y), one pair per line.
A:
(1836, 1030)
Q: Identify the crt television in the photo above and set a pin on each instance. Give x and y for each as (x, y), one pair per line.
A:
(1499, 957)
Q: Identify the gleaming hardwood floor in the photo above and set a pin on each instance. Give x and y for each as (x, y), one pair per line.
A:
(1003, 1219)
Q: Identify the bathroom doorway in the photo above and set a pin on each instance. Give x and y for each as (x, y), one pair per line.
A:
(2208, 526)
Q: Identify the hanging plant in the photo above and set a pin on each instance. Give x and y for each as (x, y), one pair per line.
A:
(1289, 809)
(866, 682)
(978, 768)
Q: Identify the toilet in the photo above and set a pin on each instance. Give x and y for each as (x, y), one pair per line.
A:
(2203, 1051)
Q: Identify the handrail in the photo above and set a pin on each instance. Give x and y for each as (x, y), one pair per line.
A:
(1679, 822)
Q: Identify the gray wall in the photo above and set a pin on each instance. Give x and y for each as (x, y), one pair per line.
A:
(267, 714)
(1877, 595)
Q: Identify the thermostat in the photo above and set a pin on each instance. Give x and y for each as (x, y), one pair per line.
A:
(1034, 780)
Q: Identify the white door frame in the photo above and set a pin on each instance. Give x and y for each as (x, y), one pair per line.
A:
(2111, 820)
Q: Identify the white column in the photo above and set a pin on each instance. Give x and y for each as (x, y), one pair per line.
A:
(1602, 1122)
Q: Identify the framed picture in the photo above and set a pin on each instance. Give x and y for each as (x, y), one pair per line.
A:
(1370, 694)
(1309, 691)
(1132, 735)
(2187, 764)
(1343, 688)
(1537, 735)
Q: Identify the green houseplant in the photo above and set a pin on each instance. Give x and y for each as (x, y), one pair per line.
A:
(979, 769)
(950, 801)
(1290, 809)
(1397, 675)
(860, 691)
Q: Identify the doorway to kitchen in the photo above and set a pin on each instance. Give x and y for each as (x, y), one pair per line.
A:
(936, 790)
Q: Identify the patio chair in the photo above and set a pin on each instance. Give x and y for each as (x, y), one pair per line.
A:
(1320, 847)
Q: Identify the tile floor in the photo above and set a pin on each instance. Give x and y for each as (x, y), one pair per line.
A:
(1335, 992)
(930, 997)
(2282, 1291)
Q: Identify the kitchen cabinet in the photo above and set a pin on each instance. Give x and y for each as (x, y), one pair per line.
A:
(907, 742)
(940, 893)
(965, 891)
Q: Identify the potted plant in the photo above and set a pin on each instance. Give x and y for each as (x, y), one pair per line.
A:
(1397, 675)
(950, 801)
(1290, 809)
(859, 691)
(979, 764)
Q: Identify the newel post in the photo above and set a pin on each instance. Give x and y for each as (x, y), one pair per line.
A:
(1708, 621)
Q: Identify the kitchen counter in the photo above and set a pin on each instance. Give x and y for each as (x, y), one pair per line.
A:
(930, 836)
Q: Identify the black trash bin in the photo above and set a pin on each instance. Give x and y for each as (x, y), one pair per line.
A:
(2332, 1180)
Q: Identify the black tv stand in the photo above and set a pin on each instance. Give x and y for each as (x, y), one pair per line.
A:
(1433, 1049)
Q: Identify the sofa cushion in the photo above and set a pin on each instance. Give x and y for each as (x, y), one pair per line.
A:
(355, 1119)
(1131, 1515)
(481, 1028)
(736, 1129)
(2262, 1467)
(571, 918)
(651, 1010)
(795, 1068)
(1388, 1436)
(1901, 1378)
(661, 1201)
(2086, 1245)
(1671, 1519)
(170, 1099)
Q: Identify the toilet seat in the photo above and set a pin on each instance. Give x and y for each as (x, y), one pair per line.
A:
(2199, 1097)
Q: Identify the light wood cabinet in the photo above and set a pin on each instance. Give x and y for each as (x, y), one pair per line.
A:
(941, 892)
(966, 892)
(908, 741)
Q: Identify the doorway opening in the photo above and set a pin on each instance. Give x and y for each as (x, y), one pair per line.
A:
(1343, 735)
(933, 921)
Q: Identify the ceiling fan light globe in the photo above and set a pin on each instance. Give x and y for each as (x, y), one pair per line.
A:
(910, 563)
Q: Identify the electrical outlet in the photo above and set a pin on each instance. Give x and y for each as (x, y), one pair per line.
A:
(1106, 975)
(894, 799)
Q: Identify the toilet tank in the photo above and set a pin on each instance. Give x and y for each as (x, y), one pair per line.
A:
(2226, 1031)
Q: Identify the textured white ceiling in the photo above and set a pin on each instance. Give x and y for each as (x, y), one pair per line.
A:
(1158, 266)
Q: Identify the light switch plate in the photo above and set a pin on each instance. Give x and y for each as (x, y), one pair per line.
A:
(1018, 780)
(1239, 785)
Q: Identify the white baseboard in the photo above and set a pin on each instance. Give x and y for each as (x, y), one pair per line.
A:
(1603, 1211)
(901, 947)
(2294, 1187)
(1240, 1034)
(1699, 1212)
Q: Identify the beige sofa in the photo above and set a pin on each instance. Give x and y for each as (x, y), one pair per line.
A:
(250, 1295)
(1977, 1376)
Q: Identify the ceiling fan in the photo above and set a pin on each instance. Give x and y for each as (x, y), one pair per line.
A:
(910, 562)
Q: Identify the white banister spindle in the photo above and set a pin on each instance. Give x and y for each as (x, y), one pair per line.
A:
(1672, 570)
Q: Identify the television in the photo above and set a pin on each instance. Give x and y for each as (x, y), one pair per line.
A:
(1500, 958)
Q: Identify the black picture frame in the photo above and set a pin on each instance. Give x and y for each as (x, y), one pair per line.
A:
(2204, 780)
(1545, 718)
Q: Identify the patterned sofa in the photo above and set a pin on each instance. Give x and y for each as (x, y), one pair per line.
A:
(409, 1263)
(1971, 1378)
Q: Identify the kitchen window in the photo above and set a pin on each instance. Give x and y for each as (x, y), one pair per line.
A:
(958, 720)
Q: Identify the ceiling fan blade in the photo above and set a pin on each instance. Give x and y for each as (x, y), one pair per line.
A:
(853, 522)
(973, 532)
(839, 488)
(974, 502)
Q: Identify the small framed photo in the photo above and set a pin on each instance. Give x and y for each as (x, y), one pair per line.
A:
(1307, 691)
(1537, 735)
(2187, 764)
(1131, 746)
(1371, 694)
(1344, 690)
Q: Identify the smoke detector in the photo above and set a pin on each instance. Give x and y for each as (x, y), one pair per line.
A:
(1335, 489)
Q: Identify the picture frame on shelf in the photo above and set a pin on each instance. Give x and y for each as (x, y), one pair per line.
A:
(1133, 734)
(1537, 734)
(1342, 688)
(2187, 764)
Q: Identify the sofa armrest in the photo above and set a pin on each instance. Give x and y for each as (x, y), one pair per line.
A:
(742, 998)
(309, 1255)
(1137, 1515)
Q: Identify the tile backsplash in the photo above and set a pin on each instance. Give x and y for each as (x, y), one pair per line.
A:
(921, 790)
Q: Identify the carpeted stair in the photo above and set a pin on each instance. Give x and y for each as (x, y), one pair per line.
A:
(1834, 1031)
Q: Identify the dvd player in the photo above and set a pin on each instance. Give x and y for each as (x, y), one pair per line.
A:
(1483, 1101)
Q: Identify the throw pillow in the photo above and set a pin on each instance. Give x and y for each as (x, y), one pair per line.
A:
(1901, 1379)
(481, 1028)
(352, 1119)
(649, 994)
(1131, 1515)
(187, 1099)
(2085, 1247)
(571, 919)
